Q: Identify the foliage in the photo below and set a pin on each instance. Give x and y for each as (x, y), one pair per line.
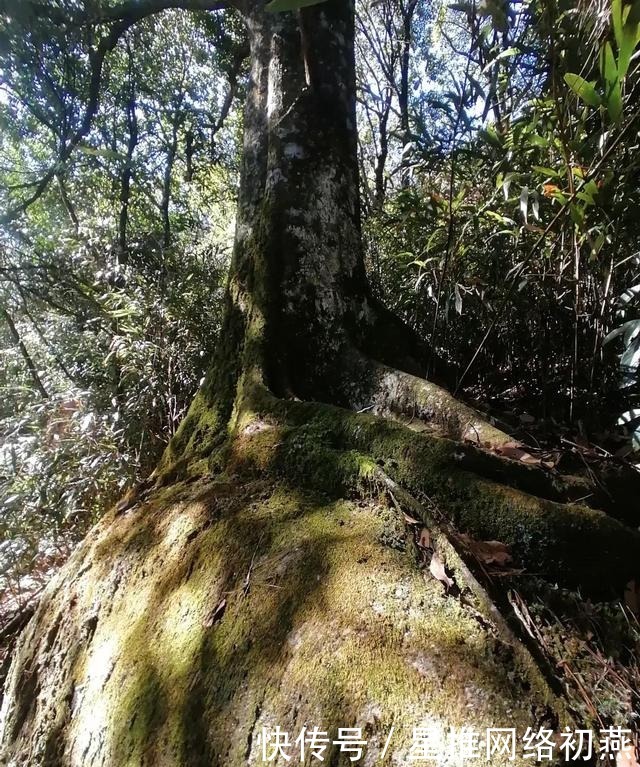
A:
(111, 281)
(518, 231)
(628, 336)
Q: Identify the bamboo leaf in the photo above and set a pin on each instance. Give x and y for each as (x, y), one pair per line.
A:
(614, 102)
(583, 89)
(544, 171)
(608, 65)
(616, 21)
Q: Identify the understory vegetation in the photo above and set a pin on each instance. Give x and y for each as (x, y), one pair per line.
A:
(498, 147)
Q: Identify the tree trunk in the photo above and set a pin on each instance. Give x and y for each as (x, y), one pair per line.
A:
(265, 575)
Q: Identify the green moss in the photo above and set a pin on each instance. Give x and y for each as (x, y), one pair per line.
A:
(338, 452)
(333, 629)
(266, 598)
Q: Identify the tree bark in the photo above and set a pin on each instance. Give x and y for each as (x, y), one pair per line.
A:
(265, 575)
(127, 171)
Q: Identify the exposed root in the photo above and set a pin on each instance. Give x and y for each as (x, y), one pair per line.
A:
(394, 392)
(413, 401)
(333, 450)
(200, 612)
(444, 543)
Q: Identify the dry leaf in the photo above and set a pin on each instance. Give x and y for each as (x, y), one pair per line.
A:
(410, 520)
(216, 615)
(436, 568)
(424, 541)
(627, 757)
(517, 454)
(488, 552)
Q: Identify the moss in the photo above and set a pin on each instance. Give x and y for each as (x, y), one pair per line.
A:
(334, 629)
(281, 593)
(338, 452)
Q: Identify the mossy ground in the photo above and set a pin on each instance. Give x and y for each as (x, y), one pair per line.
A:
(338, 627)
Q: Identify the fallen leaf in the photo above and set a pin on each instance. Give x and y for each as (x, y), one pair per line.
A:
(216, 615)
(436, 568)
(488, 552)
(410, 520)
(424, 541)
(517, 454)
(626, 757)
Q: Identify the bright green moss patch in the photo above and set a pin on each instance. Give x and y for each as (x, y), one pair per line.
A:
(283, 593)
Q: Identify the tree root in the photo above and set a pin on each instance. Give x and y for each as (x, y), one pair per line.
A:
(401, 396)
(164, 649)
(443, 540)
(394, 392)
(334, 450)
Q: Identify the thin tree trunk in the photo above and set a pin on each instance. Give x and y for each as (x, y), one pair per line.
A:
(408, 12)
(165, 201)
(127, 172)
(15, 335)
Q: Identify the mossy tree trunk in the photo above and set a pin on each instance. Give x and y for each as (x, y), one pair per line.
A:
(264, 575)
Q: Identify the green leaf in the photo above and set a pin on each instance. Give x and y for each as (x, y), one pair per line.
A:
(280, 6)
(583, 89)
(614, 102)
(577, 214)
(626, 31)
(502, 55)
(537, 140)
(616, 20)
(630, 40)
(544, 171)
(608, 66)
(491, 136)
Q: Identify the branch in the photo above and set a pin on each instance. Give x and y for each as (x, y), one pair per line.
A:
(13, 331)
(97, 59)
(124, 17)
(135, 11)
